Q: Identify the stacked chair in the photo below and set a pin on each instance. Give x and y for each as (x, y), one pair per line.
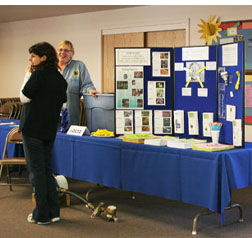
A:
(10, 108)
(13, 137)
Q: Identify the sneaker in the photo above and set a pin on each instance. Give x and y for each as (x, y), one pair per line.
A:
(55, 219)
(31, 220)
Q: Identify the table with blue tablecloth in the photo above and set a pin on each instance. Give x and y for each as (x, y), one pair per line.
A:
(195, 177)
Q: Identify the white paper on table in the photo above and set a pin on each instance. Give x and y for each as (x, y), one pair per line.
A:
(179, 121)
(237, 132)
(78, 130)
(193, 123)
(207, 120)
(230, 113)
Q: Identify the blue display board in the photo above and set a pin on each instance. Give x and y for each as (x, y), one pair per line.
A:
(152, 90)
(148, 77)
(189, 79)
(231, 94)
(198, 56)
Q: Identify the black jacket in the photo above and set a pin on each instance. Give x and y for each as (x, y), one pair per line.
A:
(47, 90)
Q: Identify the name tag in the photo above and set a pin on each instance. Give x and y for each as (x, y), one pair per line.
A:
(78, 130)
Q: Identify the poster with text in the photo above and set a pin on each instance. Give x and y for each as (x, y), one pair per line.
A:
(129, 87)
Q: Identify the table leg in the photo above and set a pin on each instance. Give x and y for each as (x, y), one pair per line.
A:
(202, 213)
(208, 212)
(240, 210)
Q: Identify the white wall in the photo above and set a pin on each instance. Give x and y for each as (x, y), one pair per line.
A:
(85, 31)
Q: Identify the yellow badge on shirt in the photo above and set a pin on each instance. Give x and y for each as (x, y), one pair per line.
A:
(76, 73)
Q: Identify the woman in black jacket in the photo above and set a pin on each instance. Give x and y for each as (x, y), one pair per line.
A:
(42, 94)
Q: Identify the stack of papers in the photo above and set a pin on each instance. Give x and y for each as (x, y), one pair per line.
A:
(160, 141)
(184, 143)
(212, 147)
(137, 138)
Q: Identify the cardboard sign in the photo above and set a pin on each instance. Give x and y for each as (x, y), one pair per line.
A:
(78, 130)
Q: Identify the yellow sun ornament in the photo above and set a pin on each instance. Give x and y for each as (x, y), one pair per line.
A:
(210, 30)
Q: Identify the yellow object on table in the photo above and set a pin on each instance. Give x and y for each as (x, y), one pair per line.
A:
(137, 138)
(102, 133)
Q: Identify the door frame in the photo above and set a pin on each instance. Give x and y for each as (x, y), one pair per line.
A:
(148, 27)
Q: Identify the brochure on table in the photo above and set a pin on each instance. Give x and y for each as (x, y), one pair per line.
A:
(179, 91)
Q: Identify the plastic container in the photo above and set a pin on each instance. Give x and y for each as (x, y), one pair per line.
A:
(215, 136)
(100, 111)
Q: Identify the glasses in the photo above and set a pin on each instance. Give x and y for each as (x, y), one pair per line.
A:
(65, 50)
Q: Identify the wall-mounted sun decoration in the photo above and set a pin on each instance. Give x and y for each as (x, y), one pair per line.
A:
(210, 30)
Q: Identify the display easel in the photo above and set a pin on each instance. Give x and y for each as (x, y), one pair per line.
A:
(191, 81)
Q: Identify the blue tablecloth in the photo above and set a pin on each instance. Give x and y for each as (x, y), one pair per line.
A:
(87, 158)
(195, 177)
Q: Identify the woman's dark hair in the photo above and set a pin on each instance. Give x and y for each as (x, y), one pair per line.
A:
(48, 50)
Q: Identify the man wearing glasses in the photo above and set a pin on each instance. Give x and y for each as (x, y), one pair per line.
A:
(77, 76)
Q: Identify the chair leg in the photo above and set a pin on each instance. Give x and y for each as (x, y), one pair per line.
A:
(1, 170)
(8, 178)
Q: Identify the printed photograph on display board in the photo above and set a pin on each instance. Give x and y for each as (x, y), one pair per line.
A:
(163, 122)
(143, 121)
(124, 121)
(161, 66)
(156, 93)
(129, 87)
(194, 72)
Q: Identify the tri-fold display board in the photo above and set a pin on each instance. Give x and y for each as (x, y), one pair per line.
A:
(179, 91)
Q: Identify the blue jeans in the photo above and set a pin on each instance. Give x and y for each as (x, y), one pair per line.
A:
(38, 155)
